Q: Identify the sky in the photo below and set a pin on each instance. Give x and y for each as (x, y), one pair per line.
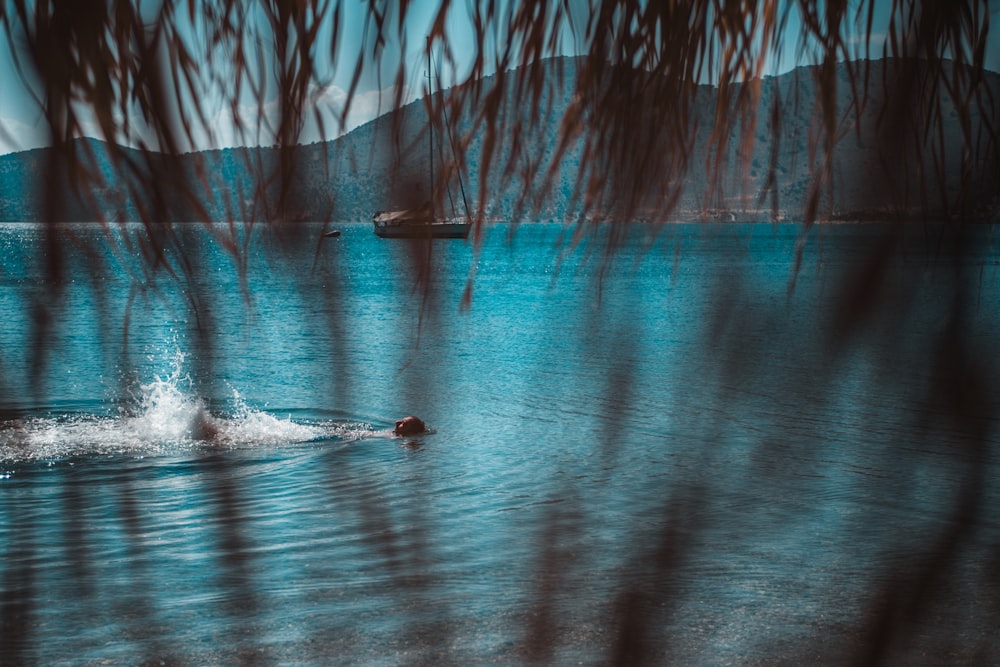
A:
(22, 125)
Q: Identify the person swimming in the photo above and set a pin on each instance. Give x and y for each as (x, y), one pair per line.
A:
(409, 426)
(203, 425)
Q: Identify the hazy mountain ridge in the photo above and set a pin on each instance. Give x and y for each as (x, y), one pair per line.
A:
(384, 164)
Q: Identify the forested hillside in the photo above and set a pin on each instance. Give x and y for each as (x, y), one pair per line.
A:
(760, 175)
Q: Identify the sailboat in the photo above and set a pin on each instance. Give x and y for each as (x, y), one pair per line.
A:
(422, 222)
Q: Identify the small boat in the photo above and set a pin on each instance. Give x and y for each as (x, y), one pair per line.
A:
(418, 223)
(333, 233)
(423, 222)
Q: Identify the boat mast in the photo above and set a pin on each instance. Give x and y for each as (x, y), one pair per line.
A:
(430, 120)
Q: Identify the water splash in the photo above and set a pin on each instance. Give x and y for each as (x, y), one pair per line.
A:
(168, 410)
(164, 416)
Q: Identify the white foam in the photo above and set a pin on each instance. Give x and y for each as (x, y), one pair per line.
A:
(165, 416)
(167, 413)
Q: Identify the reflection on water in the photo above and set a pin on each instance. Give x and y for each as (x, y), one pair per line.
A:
(668, 456)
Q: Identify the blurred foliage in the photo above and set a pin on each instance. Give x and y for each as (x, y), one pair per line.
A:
(153, 74)
(156, 75)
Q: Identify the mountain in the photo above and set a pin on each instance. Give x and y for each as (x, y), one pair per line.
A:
(880, 165)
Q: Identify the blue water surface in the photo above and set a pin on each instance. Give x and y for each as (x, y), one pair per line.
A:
(647, 443)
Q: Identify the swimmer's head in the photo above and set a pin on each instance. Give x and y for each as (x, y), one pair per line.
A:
(409, 426)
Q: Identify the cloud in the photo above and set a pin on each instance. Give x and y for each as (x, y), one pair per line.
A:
(254, 125)
(226, 126)
(248, 125)
(365, 106)
(16, 135)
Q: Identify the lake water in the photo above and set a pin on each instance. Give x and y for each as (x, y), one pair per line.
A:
(675, 453)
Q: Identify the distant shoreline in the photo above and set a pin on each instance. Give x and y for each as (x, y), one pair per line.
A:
(847, 219)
